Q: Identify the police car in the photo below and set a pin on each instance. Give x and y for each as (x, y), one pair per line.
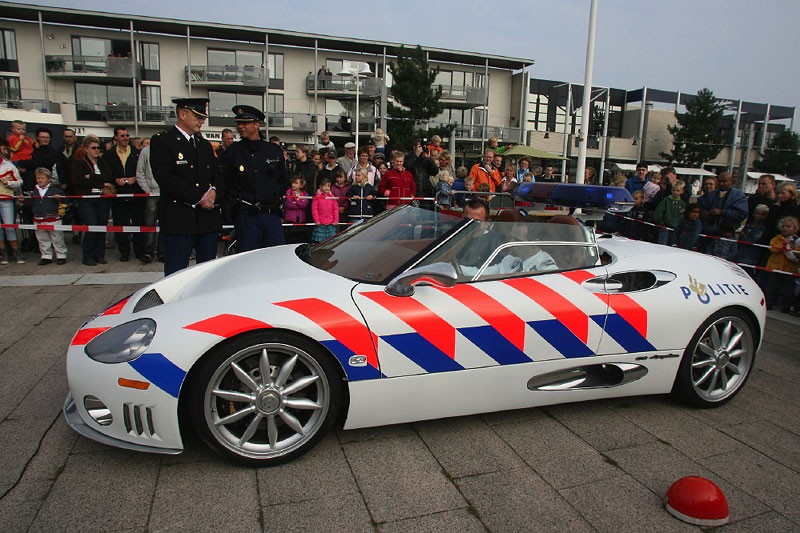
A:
(412, 315)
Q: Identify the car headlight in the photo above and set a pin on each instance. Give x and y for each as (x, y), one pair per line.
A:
(123, 343)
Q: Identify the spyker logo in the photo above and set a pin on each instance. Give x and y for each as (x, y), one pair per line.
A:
(357, 361)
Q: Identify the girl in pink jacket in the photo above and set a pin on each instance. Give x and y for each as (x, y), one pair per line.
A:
(294, 204)
(325, 210)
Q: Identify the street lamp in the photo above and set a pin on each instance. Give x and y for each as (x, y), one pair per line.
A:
(356, 70)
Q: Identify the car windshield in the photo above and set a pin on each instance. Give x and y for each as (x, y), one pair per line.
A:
(374, 250)
(496, 250)
(405, 237)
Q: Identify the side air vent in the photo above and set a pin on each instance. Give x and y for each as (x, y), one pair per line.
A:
(138, 420)
(150, 299)
(588, 377)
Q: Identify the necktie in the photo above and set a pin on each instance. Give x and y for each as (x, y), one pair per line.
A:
(192, 140)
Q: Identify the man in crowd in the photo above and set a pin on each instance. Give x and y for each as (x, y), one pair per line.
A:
(548, 176)
(122, 159)
(636, 183)
(145, 179)
(227, 140)
(725, 204)
(255, 171)
(484, 172)
(421, 167)
(348, 160)
(186, 172)
(44, 156)
(65, 155)
(668, 176)
(765, 193)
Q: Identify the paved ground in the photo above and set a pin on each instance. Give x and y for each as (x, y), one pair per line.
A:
(601, 466)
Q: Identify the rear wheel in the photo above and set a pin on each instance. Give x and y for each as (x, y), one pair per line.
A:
(718, 360)
(265, 398)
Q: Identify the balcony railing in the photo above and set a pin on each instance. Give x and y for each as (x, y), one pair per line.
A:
(344, 87)
(229, 75)
(40, 106)
(459, 96)
(78, 67)
(291, 121)
(475, 131)
(124, 114)
(346, 124)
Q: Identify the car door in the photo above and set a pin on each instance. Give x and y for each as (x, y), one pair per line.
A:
(490, 319)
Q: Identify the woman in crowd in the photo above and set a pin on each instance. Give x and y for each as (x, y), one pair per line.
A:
(91, 175)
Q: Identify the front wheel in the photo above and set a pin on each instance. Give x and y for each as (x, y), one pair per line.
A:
(265, 398)
(718, 360)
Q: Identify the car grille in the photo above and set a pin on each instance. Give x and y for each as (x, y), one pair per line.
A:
(150, 299)
(138, 420)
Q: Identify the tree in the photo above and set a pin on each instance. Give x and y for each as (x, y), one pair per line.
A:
(781, 156)
(413, 89)
(697, 137)
(596, 120)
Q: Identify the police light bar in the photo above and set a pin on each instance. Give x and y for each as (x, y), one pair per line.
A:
(574, 195)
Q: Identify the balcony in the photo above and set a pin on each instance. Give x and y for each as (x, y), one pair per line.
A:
(36, 106)
(456, 96)
(229, 76)
(347, 125)
(111, 69)
(120, 115)
(299, 122)
(474, 132)
(344, 87)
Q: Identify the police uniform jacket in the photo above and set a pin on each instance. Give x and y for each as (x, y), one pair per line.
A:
(184, 174)
(255, 171)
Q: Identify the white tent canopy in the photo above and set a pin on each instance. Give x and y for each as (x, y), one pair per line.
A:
(681, 171)
(751, 183)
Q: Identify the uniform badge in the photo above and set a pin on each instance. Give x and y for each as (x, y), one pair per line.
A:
(180, 155)
(241, 168)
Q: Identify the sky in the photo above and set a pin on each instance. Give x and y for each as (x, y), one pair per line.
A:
(740, 49)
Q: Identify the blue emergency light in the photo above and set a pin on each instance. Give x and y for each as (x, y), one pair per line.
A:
(574, 195)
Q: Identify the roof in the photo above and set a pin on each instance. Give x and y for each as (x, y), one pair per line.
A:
(230, 32)
(680, 171)
(778, 177)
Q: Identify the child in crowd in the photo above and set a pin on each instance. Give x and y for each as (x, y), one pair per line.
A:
(669, 213)
(469, 191)
(435, 147)
(10, 185)
(485, 190)
(325, 141)
(46, 211)
(325, 211)
(527, 177)
(754, 232)
(361, 194)
(783, 256)
(380, 139)
(633, 228)
(20, 144)
(725, 246)
(444, 189)
(397, 182)
(651, 186)
(294, 204)
(339, 190)
(690, 227)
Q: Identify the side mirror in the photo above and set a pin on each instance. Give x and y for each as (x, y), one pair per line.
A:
(440, 273)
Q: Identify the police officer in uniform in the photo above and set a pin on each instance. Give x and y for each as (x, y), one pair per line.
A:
(185, 168)
(255, 172)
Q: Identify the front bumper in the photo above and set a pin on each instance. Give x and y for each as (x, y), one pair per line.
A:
(75, 421)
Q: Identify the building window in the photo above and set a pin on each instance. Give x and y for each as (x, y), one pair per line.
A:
(8, 51)
(234, 58)
(151, 96)
(94, 100)
(275, 103)
(150, 62)
(9, 88)
(221, 103)
(275, 66)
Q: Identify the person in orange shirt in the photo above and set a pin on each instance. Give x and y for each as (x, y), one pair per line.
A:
(485, 172)
(21, 145)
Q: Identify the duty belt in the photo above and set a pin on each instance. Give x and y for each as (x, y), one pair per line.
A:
(258, 207)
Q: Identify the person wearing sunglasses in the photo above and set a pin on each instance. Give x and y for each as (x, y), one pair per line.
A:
(90, 175)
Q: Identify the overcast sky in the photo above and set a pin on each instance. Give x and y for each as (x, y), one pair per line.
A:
(738, 48)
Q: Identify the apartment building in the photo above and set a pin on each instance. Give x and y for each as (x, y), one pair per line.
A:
(93, 71)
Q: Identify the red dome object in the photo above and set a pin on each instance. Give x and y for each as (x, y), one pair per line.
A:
(698, 501)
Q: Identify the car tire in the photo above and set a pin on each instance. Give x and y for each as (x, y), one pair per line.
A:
(718, 360)
(259, 421)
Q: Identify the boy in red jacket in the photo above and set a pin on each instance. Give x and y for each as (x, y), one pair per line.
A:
(397, 183)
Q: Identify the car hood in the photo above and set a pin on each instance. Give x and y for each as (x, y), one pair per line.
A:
(268, 266)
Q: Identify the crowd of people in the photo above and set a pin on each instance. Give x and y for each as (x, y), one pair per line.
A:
(308, 195)
(760, 232)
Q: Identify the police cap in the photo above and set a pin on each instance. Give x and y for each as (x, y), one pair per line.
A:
(247, 113)
(198, 106)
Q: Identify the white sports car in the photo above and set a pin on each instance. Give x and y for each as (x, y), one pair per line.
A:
(413, 315)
